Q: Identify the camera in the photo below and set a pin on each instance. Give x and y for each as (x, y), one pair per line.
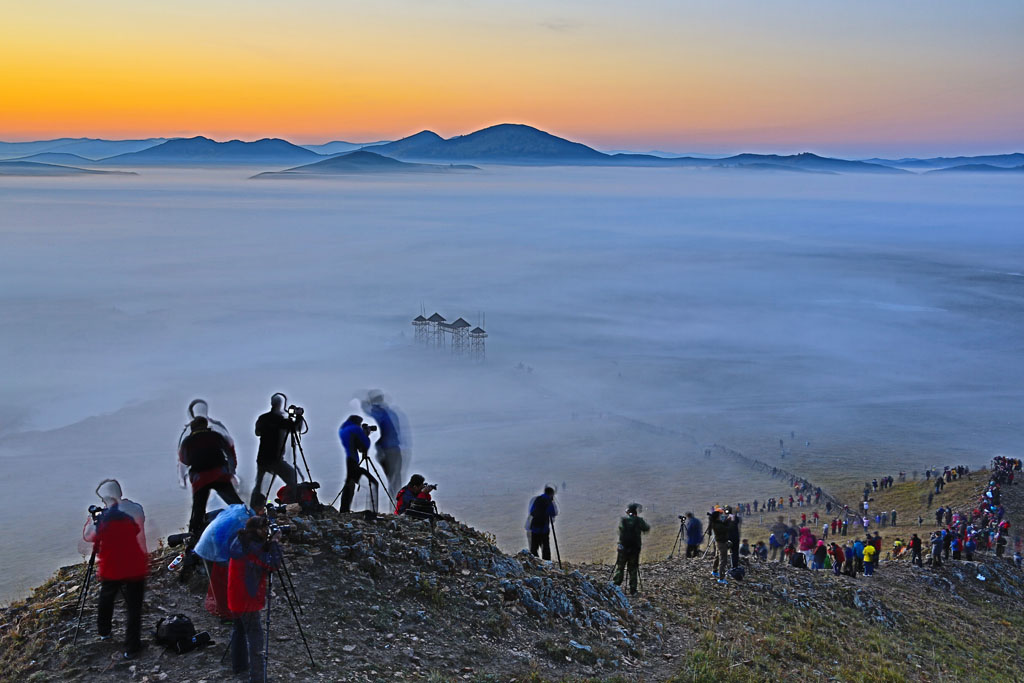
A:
(95, 511)
(682, 518)
(369, 428)
(295, 412)
(275, 528)
(174, 540)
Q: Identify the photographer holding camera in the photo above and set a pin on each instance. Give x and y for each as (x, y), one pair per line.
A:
(118, 532)
(355, 439)
(273, 429)
(416, 489)
(254, 552)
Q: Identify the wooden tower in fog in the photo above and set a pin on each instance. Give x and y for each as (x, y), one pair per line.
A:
(460, 338)
(477, 338)
(436, 332)
(420, 326)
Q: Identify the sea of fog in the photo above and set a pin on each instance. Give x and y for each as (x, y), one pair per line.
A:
(874, 323)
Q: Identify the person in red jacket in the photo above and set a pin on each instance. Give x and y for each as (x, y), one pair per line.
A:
(122, 562)
(416, 488)
(254, 553)
(838, 558)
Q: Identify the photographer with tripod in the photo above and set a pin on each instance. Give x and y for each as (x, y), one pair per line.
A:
(254, 553)
(356, 441)
(273, 429)
(541, 516)
(117, 532)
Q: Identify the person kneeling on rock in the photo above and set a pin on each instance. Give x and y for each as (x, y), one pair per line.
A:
(631, 530)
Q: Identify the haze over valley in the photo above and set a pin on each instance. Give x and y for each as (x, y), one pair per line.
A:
(635, 316)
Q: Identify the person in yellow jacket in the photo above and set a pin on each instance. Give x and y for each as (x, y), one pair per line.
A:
(869, 559)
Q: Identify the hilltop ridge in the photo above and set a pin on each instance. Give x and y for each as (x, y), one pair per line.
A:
(387, 598)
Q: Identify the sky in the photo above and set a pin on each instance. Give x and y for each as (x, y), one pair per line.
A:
(863, 78)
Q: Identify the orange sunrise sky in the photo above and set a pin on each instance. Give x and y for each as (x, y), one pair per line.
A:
(841, 77)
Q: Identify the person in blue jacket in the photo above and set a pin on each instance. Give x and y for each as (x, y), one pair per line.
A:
(538, 525)
(694, 535)
(356, 443)
(389, 444)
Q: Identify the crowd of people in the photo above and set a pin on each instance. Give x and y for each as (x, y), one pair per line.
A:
(238, 548)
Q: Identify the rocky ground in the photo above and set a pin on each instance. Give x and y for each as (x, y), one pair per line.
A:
(389, 598)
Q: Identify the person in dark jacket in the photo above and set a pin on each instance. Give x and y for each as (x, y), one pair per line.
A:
(122, 561)
(356, 443)
(542, 515)
(210, 459)
(254, 553)
(720, 529)
(631, 530)
(694, 535)
(273, 429)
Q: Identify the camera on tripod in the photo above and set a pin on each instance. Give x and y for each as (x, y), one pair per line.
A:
(682, 518)
(295, 414)
(95, 511)
(369, 429)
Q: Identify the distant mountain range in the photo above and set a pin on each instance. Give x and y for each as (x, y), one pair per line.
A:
(519, 144)
(34, 168)
(1005, 160)
(89, 148)
(202, 151)
(363, 162)
(503, 144)
(978, 168)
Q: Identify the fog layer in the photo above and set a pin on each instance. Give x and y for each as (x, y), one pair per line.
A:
(654, 311)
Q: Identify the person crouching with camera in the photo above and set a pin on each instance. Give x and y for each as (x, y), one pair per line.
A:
(254, 553)
(416, 489)
(118, 534)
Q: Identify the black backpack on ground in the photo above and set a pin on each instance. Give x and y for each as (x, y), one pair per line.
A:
(175, 629)
(738, 572)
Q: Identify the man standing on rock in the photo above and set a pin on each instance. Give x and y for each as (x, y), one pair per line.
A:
(538, 525)
(631, 530)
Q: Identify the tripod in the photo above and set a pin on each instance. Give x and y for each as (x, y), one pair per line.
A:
(711, 544)
(678, 542)
(558, 554)
(84, 594)
(291, 606)
(378, 482)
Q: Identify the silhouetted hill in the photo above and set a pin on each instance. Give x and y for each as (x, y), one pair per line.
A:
(61, 158)
(90, 148)
(806, 161)
(33, 168)
(1004, 160)
(340, 146)
(201, 151)
(360, 162)
(504, 143)
(978, 168)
